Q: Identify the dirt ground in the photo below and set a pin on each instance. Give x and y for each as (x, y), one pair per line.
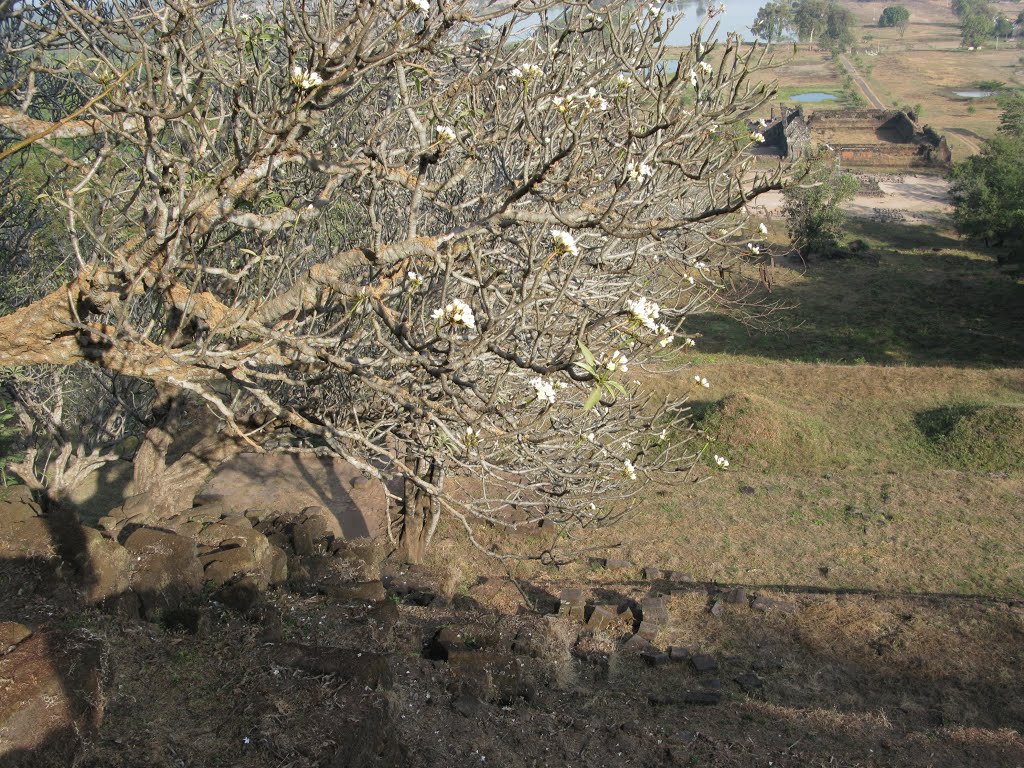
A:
(914, 198)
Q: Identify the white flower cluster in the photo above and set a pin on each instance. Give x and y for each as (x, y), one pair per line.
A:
(623, 81)
(706, 68)
(692, 74)
(304, 79)
(564, 242)
(721, 461)
(590, 100)
(645, 312)
(445, 133)
(526, 71)
(543, 389)
(666, 336)
(754, 250)
(763, 228)
(423, 6)
(616, 361)
(702, 382)
(757, 136)
(414, 279)
(639, 171)
(689, 342)
(457, 312)
(628, 469)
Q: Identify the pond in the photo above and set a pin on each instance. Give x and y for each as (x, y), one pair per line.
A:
(973, 94)
(813, 96)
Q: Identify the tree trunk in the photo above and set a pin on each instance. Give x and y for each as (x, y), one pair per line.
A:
(421, 512)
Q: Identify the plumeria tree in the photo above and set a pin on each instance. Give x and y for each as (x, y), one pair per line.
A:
(451, 242)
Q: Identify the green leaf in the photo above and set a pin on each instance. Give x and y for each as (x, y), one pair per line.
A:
(615, 386)
(595, 397)
(587, 355)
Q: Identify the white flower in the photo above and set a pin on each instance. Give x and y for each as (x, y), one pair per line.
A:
(457, 312)
(414, 278)
(753, 249)
(701, 381)
(592, 99)
(706, 68)
(445, 133)
(423, 6)
(692, 74)
(641, 171)
(628, 469)
(564, 242)
(663, 435)
(246, 740)
(763, 228)
(623, 81)
(616, 361)
(762, 122)
(666, 336)
(543, 389)
(526, 71)
(690, 280)
(304, 79)
(721, 461)
(689, 342)
(645, 312)
(757, 136)
(590, 437)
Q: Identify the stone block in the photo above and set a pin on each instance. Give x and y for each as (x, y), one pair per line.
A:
(105, 566)
(359, 591)
(164, 569)
(702, 663)
(602, 617)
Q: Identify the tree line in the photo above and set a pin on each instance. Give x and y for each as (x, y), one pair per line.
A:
(824, 22)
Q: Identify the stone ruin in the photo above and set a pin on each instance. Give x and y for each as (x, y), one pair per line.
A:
(861, 138)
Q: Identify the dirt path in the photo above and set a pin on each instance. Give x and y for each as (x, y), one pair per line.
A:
(911, 198)
(861, 83)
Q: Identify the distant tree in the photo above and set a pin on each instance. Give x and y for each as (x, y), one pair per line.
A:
(976, 21)
(964, 8)
(895, 16)
(809, 18)
(975, 29)
(1020, 19)
(1011, 122)
(839, 27)
(773, 21)
(1003, 28)
(830, 22)
(988, 189)
(815, 219)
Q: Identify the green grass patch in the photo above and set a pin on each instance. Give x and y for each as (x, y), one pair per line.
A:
(982, 438)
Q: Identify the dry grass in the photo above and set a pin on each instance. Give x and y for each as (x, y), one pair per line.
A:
(931, 66)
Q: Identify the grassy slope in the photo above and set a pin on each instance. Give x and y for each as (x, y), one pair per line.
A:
(874, 432)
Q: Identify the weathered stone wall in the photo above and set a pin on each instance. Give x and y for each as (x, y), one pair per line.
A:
(861, 137)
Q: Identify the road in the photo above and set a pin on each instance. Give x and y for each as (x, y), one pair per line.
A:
(864, 87)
